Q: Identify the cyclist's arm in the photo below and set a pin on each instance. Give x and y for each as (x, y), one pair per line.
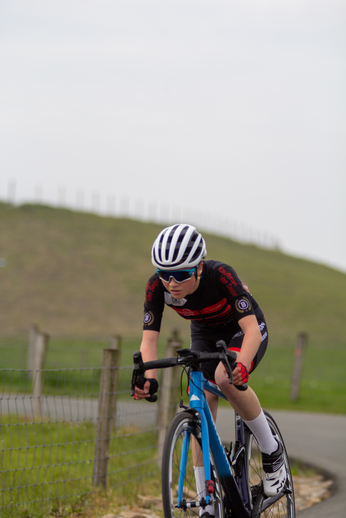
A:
(148, 349)
(251, 342)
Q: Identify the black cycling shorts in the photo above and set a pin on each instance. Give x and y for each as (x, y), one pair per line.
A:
(205, 342)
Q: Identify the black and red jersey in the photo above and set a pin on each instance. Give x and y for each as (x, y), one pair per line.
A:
(220, 300)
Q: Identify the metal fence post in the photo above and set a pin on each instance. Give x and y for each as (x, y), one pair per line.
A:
(106, 415)
(298, 360)
(169, 394)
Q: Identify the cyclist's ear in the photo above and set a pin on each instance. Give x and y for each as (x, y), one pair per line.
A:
(199, 270)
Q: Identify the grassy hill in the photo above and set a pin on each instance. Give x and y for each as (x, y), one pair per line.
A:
(82, 276)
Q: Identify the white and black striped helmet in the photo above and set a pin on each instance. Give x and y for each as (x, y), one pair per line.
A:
(178, 247)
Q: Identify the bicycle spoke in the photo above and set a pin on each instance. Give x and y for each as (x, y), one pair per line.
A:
(179, 488)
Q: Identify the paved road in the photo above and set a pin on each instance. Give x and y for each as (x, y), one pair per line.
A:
(317, 439)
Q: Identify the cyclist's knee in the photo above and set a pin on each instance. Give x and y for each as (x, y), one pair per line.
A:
(221, 376)
(222, 380)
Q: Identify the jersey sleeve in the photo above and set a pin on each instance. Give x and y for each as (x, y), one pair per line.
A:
(153, 304)
(237, 295)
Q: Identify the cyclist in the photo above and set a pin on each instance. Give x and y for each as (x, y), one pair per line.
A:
(219, 307)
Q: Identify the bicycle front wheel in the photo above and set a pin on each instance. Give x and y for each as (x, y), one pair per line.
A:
(179, 490)
(284, 507)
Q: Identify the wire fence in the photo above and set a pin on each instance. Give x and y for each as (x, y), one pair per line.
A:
(143, 210)
(48, 442)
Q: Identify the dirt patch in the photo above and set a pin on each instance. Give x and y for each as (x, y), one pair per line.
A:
(308, 491)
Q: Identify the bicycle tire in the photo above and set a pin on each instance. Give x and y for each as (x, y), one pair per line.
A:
(285, 506)
(184, 423)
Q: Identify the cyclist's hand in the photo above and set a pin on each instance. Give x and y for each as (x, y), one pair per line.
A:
(240, 374)
(142, 393)
(149, 389)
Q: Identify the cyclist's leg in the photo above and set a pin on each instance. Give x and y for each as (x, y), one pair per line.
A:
(247, 405)
(284, 506)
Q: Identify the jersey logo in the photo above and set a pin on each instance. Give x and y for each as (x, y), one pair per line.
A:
(148, 318)
(171, 301)
(243, 305)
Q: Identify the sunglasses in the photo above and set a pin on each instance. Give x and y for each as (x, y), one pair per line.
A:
(178, 275)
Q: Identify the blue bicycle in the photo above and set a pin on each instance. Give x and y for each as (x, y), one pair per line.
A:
(233, 478)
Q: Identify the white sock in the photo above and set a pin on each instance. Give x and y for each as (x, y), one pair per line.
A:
(261, 430)
(200, 485)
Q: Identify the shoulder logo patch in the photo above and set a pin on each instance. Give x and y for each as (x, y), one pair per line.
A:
(148, 318)
(243, 305)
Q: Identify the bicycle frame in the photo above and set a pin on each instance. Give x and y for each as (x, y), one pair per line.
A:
(237, 493)
(237, 500)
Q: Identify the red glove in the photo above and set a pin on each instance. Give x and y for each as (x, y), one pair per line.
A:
(243, 371)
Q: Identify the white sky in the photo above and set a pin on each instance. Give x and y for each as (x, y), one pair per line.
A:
(232, 108)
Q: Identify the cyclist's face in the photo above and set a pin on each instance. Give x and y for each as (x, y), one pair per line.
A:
(180, 290)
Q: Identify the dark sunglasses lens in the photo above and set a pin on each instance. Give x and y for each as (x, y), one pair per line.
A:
(179, 276)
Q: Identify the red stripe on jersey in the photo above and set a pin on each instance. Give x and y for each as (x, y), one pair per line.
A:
(215, 307)
(211, 312)
(186, 312)
(226, 312)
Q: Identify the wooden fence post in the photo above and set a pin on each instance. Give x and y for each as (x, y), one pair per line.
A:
(33, 332)
(298, 360)
(38, 360)
(169, 393)
(106, 415)
(115, 342)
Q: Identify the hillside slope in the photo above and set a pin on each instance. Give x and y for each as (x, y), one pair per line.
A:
(81, 274)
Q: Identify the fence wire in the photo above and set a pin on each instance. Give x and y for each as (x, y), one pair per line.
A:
(48, 440)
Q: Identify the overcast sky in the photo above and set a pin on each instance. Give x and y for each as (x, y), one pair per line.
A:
(231, 108)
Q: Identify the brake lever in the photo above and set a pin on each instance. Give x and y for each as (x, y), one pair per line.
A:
(137, 363)
(222, 347)
(138, 379)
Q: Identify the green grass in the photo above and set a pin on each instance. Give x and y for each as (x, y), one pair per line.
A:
(73, 366)
(322, 386)
(81, 278)
(79, 274)
(76, 364)
(46, 464)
